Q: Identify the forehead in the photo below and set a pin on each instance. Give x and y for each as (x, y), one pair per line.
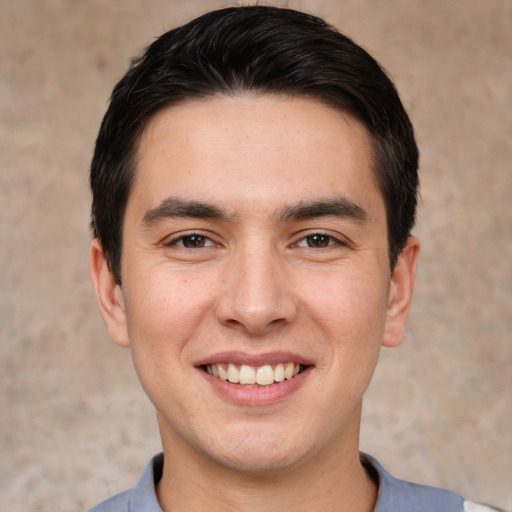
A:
(254, 150)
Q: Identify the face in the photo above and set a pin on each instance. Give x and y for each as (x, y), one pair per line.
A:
(256, 288)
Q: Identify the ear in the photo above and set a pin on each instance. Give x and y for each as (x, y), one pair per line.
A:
(109, 295)
(400, 293)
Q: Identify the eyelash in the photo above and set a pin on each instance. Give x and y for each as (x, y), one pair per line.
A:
(331, 241)
(175, 241)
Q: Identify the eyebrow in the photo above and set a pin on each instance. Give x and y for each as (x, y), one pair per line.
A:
(173, 207)
(338, 207)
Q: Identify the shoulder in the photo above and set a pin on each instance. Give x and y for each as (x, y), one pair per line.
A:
(397, 495)
(142, 497)
(118, 503)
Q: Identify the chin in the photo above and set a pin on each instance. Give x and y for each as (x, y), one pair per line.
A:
(259, 454)
(259, 463)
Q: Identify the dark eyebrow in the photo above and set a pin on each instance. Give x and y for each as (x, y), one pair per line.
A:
(339, 207)
(175, 207)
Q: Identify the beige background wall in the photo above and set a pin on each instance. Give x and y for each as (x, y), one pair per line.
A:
(75, 427)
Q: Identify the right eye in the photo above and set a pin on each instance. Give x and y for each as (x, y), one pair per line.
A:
(192, 241)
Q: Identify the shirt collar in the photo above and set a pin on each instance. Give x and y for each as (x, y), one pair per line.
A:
(394, 495)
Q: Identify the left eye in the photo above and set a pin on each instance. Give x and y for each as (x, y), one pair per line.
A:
(316, 240)
(193, 241)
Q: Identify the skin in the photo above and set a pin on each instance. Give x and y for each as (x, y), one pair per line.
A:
(269, 278)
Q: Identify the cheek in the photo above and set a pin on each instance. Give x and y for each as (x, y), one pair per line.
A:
(351, 311)
(164, 310)
(350, 307)
(164, 316)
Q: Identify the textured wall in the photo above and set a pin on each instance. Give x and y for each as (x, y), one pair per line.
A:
(75, 427)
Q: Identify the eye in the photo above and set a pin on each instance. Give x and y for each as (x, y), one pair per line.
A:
(317, 240)
(192, 241)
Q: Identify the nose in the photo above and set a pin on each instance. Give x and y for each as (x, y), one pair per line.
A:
(257, 295)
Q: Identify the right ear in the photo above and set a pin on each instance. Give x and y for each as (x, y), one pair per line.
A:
(109, 295)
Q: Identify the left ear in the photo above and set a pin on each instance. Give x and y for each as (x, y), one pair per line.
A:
(400, 293)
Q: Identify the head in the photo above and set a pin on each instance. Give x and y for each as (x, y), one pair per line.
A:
(263, 51)
(254, 181)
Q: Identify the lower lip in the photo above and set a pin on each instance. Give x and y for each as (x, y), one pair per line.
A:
(256, 395)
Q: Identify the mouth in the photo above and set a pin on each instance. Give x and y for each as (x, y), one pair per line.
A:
(255, 376)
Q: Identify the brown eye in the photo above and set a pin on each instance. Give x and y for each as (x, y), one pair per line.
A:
(318, 240)
(193, 241)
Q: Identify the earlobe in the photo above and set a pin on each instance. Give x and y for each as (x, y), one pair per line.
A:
(109, 295)
(400, 293)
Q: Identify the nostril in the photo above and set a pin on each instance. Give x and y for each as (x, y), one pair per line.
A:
(234, 323)
(253, 324)
(278, 321)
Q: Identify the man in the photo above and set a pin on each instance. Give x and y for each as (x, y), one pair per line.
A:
(254, 189)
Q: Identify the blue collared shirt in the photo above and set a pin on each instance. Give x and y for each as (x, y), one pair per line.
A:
(394, 495)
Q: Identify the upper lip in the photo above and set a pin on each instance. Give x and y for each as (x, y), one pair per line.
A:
(240, 358)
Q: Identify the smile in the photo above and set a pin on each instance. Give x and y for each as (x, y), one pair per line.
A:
(264, 375)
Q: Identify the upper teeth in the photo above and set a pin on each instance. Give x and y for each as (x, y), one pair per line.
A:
(261, 375)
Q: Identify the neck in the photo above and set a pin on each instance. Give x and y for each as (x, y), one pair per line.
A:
(331, 482)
